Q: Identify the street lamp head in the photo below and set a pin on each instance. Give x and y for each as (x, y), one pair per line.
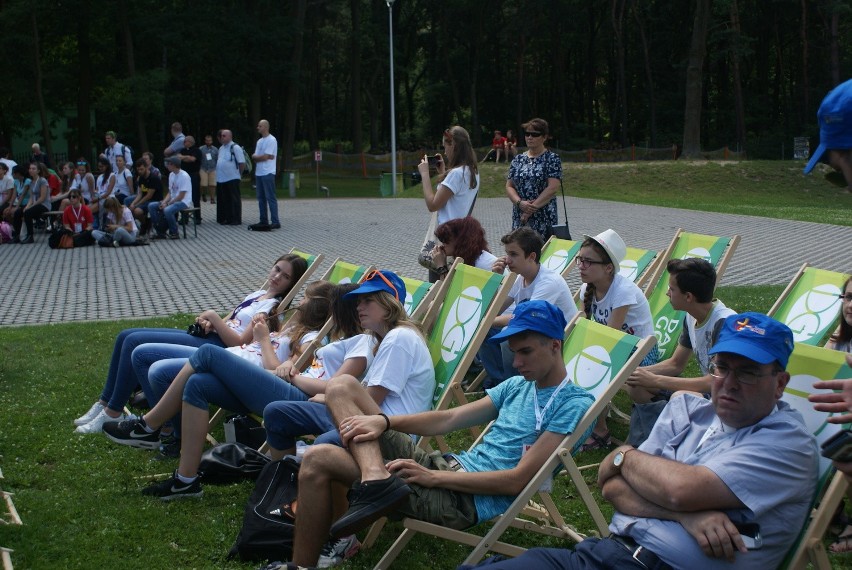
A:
(390, 3)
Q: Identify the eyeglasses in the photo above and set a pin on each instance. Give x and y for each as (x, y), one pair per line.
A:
(747, 377)
(845, 297)
(585, 262)
(533, 134)
(376, 273)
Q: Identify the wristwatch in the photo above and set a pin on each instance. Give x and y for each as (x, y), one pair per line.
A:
(618, 460)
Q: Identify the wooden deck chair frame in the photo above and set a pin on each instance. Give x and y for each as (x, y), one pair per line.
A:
(807, 363)
(667, 338)
(5, 555)
(305, 358)
(552, 523)
(806, 276)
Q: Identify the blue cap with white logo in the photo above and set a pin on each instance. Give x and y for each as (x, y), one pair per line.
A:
(534, 316)
(756, 337)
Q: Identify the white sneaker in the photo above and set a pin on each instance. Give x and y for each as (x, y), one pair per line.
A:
(90, 415)
(336, 551)
(97, 424)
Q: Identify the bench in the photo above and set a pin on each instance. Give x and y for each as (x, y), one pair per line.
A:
(184, 218)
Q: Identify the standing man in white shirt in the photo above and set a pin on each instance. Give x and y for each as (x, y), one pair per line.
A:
(177, 140)
(178, 198)
(114, 148)
(265, 154)
(229, 168)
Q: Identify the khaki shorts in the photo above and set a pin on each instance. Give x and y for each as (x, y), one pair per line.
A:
(207, 178)
(451, 509)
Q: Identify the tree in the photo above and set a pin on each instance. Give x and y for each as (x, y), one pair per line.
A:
(694, 81)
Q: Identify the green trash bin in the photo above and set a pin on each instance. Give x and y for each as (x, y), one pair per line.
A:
(386, 184)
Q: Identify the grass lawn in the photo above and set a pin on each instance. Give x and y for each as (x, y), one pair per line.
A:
(770, 188)
(79, 495)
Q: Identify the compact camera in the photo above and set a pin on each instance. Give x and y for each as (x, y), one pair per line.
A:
(196, 329)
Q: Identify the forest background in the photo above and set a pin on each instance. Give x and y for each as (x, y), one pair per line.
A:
(744, 74)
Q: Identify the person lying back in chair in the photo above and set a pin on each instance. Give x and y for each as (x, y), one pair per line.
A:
(712, 475)
(389, 476)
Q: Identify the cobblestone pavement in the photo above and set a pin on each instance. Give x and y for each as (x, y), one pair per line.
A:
(224, 263)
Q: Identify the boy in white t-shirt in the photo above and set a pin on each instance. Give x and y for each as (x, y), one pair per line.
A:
(523, 252)
(179, 197)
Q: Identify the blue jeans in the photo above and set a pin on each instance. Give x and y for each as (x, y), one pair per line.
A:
(597, 553)
(285, 421)
(266, 197)
(169, 213)
(121, 379)
(121, 235)
(226, 380)
(156, 364)
(496, 360)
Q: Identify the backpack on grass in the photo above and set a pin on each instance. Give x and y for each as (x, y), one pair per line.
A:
(270, 514)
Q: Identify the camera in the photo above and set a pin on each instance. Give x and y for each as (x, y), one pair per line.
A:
(196, 329)
(434, 160)
(838, 447)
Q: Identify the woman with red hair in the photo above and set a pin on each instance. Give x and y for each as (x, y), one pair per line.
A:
(465, 238)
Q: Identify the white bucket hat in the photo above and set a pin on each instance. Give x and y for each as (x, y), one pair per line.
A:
(612, 244)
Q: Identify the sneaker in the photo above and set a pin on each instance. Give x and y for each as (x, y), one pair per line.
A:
(90, 415)
(174, 236)
(97, 423)
(28, 239)
(278, 227)
(173, 488)
(115, 243)
(131, 432)
(336, 551)
(368, 502)
(158, 236)
(169, 448)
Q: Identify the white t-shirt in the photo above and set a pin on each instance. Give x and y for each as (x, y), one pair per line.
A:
(122, 186)
(404, 367)
(7, 186)
(623, 292)
(485, 260)
(280, 342)
(266, 145)
(329, 359)
(457, 181)
(81, 183)
(248, 309)
(180, 182)
(126, 217)
(547, 286)
(701, 338)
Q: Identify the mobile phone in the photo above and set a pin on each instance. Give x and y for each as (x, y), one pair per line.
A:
(433, 160)
(750, 533)
(838, 447)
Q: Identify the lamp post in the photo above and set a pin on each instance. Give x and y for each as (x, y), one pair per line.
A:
(392, 106)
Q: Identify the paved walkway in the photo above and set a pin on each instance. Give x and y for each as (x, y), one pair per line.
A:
(224, 263)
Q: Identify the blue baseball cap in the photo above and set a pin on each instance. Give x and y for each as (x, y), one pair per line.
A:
(756, 337)
(534, 316)
(835, 122)
(383, 280)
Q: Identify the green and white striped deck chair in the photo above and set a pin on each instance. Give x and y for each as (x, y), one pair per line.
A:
(342, 272)
(418, 295)
(558, 255)
(810, 305)
(667, 321)
(807, 365)
(599, 359)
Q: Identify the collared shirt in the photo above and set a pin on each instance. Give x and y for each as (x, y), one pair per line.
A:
(227, 164)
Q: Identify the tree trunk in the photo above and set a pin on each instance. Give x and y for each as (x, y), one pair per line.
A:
(694, 83)
(620, 127)
(355, 76)
(141, 132)
(84, 84)
(42, 110)
(739, 106)
(292, 96)
(803, 35)
(834, 50)
(649, 78)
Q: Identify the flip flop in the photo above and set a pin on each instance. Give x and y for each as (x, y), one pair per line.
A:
(843, 543)
(596, 441)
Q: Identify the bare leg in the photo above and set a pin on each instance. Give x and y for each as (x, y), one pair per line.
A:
(346, 397)
(276, 454)
(324, 468)
(193, 433)
(639, 395)
(170, 403)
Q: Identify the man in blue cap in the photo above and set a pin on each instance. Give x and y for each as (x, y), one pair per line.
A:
(835, 133)
(719, 483)
(533, 413)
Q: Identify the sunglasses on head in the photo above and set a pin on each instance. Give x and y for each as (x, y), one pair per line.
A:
(82, 163)
(534, 134)
(376, 273)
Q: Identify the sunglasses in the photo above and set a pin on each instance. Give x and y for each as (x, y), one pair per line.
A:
(534, 134)
(73, 196)
(376, 273)
(82, 163)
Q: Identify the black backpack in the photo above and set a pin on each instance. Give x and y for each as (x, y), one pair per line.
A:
(270, 514)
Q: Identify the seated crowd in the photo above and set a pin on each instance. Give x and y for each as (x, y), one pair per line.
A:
(707, 457)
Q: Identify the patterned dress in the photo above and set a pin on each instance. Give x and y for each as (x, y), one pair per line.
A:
(530, 176)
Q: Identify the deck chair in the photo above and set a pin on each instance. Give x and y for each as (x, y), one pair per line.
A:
(667, 321)
(558, 255)
(810, 305)
(808, 364)
(599, 359)
(418, 296)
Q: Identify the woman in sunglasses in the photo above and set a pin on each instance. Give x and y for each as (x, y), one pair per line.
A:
(533, 179)
(611, 299)
(77, 218)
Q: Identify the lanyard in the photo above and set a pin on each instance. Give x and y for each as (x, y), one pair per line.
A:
(77, 213)
(539, 414)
